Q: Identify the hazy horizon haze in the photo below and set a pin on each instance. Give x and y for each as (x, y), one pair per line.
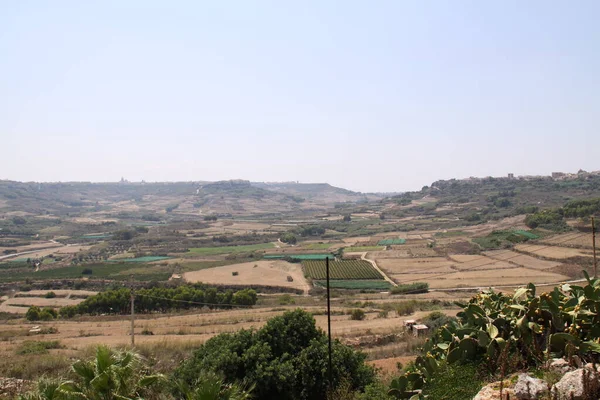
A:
(380, 97)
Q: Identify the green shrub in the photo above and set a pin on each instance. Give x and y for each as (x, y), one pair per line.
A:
(357, 314)
(406, 308)
(549, 219)
(286, 299)
(285, 359)
(289, 238)
(48, 314)
(38, 347)
(33, 313)
(416, 287)
(454, 382)
(437, 319)
(50, 295)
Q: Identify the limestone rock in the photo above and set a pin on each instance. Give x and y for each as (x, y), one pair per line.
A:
(492, 391)
(560, 365)
(528, 388)
(580, 384)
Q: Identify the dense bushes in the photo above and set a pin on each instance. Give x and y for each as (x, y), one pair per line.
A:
(416, 287)
(160, 300)
(286, 359)
(34, 313)
(288, 238)
(554, 218)
(549, 219)
(581, 208)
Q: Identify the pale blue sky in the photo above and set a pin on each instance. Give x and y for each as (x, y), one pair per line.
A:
(368, 95)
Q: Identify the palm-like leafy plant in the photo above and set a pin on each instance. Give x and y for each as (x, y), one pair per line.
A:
(211, 386)
(110, 375)
(47, 389)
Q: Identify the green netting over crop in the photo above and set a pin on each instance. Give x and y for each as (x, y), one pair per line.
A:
(299, 256)
(389, 242)
(527, 234)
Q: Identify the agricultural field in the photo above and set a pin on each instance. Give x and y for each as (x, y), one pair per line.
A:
(478, 263)
(574, 239)
(145, 259)
(389, 242)
(345, 270)
(522, 259)
(21, 301)
(260, 273)
(18, 271)
(553, 252)
(427, 265)
(211, 251)
(355, 284)
(377, 255)
(295, 256)
(318, 246)
(360, 249)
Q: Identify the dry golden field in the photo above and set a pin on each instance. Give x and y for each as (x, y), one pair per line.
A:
(553, 252)
(575, 239)
(522, 259)
(266, 273)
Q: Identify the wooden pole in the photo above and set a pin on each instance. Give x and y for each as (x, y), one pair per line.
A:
(329, 324)
(132, 319)
(594, 247)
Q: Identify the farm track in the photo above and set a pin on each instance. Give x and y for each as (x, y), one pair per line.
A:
(374, 264)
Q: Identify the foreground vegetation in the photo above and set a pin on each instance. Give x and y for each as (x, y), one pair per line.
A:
(286, 359)
(503, 333)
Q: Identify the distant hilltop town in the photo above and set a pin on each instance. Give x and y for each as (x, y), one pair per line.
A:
(557, 176)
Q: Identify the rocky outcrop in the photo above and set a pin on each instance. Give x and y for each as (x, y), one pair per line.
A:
(560, 366)
(492, 391)
(581, 384)
(528, 388)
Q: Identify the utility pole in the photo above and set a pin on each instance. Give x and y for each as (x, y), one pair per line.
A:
(329, 323)
(594, 246)
(132, 319)
(132, 314)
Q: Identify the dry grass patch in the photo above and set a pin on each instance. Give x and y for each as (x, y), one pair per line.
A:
(522, 259)
(265, 273)
(395, 266)
(475, 262)
(553, 252)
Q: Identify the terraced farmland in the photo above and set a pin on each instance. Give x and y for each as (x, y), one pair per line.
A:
(345, 269)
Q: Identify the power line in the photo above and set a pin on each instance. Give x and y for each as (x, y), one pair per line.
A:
(195, 302)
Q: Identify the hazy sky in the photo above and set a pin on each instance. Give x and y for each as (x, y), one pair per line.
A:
(367, 95)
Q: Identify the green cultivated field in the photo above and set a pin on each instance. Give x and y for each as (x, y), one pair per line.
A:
(299, 256)
(211, 251)
(389, 242)
(355, 284)
(113, 271)
(346, 269)
(527, 234)
(144, 259)
(316, 246)
(363, 248)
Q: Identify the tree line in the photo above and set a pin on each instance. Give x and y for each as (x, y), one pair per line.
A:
(160, 300)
